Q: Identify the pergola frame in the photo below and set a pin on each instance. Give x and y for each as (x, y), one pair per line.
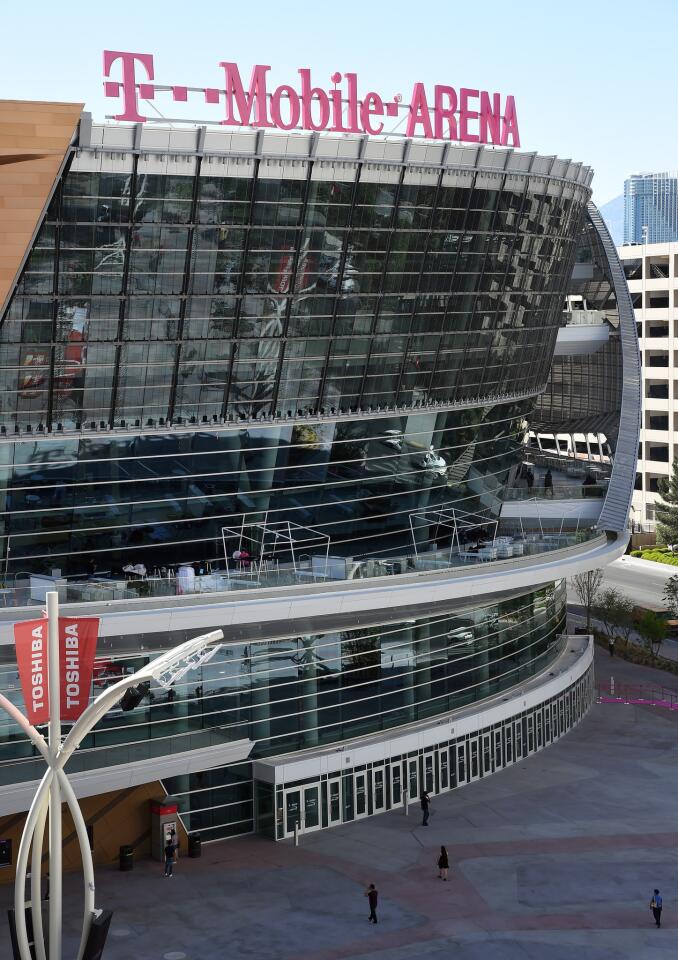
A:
(281, 532)
(453, 519)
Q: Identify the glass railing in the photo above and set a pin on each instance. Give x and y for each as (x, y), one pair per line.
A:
(559, 491)
(258, 573)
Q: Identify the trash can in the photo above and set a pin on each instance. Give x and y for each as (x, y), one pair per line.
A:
(126, 858)
(194, 846)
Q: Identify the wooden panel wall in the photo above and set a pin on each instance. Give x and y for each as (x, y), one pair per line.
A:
(34, 138)
(117, 818)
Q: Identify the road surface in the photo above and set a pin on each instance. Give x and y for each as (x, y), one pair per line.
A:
(642, 581)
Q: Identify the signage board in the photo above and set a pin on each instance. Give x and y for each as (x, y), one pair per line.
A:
(444, 113)
(77, 648)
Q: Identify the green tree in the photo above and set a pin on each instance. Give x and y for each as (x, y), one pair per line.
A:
(652, 629)
(666, 508)
(587, 587)
(614, 611)
(670, 596)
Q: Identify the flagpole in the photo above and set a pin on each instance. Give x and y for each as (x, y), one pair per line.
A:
(55, 838)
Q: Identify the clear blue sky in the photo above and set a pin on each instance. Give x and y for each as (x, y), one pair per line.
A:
(594, 80)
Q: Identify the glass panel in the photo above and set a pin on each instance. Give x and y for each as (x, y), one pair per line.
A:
(360, 795)
(292, 810)
(311, 808)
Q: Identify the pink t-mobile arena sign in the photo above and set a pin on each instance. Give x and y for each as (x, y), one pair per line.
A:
(471, 116)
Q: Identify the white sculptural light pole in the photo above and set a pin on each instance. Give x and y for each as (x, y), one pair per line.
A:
(55, 788)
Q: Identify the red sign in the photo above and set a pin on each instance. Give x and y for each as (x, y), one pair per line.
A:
(30, 640)
(464, 114)
(77, 647)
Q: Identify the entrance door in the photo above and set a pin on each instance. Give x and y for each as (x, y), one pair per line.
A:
(379, 789)
(462, 769)
(396, 784)
(518, 739)
(508, 743)
(292, 811)
(443, 768)
(360, 794)
(412, 780)
(333, 801)
(429, 778)
(473, 758)
(498, 764)
(311, 809)
(487, 754)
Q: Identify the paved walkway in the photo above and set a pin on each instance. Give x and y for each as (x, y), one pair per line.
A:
(552, 859)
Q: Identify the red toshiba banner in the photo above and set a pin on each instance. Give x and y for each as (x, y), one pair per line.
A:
(77, 647)
(30, 640)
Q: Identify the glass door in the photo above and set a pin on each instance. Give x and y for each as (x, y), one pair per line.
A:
(412, 781)
(396, 784)
(429, 779)
(443, 768)
(508, 743)
(379, 789)
(497, 750)
(311, 809)
(473, 758)
(292, 811)
(360, 794)
(462, 769)
(487, 754)
(333, 801)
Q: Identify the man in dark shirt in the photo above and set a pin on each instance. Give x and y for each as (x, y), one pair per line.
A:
(372, 895)
(425, 803)
(656, 905)
(170, 854)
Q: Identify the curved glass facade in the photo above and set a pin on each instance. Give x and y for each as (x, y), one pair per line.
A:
(157, 308)
(295, 692)
(150, 298)
(164, 499)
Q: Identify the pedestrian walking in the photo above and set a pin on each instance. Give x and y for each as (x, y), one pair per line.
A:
(610, 646)
(425, 804)
(170, 855)
(443, 864)
(372, 895)
(530, 479)
(656, 904)
(548, 483)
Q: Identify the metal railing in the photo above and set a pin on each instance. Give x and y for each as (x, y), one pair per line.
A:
(263, 573)
(644, 695)
(559, 491)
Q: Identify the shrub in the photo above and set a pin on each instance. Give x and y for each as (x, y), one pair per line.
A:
(658, 556)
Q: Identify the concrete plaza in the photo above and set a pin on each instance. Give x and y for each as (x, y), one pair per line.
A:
(551, 859)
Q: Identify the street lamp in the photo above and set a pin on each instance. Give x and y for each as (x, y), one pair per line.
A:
(54, 786)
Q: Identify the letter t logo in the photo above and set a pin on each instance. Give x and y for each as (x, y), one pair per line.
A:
(129, 90)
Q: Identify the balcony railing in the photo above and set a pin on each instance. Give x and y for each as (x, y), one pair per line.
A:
(268, 572)
(559, 491)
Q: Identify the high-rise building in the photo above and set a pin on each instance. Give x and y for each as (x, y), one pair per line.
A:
(284, 383)
(651, 208)
(652, 275)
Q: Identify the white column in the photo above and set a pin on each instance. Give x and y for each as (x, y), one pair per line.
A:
(55, 840)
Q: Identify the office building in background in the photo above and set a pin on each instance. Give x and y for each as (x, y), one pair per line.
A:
(652, 275)
(651, 208)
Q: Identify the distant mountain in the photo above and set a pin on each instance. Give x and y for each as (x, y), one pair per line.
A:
(613, 215)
